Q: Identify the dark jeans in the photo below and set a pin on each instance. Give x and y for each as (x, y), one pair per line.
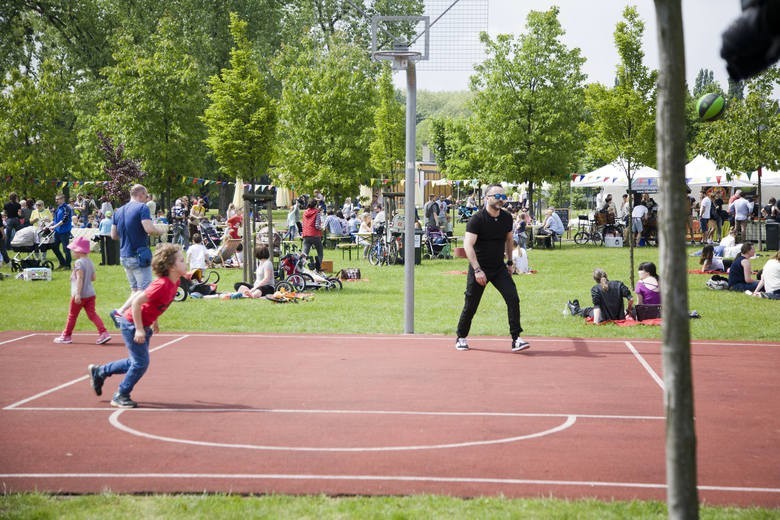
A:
(63, 239)
(501, 280)
(308, 242)
(11, 225)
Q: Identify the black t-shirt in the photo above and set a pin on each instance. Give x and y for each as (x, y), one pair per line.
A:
(491, 237)
(12, 209)
(610, 301)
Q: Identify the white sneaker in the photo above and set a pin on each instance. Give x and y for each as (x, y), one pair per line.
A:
(519, 344)
(461, 344)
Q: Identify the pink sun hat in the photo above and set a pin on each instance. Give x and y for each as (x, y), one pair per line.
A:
(80, 245)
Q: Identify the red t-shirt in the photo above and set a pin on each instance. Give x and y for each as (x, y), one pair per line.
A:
(159, 294)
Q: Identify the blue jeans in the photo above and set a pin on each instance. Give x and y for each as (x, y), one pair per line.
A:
(61, 241)
(742, 287)
(136, 365)
(139, 277)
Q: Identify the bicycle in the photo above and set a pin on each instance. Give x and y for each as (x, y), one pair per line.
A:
(587, 234)
(383, 250)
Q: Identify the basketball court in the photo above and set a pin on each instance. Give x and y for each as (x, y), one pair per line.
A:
(384, 415)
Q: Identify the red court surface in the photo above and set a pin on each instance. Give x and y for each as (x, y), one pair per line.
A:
(378, 415)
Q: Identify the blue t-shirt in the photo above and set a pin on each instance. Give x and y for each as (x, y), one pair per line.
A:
(132, 235)
(63, 214)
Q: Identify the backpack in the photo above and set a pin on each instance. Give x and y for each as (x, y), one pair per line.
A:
(717, 282)
(429, 211)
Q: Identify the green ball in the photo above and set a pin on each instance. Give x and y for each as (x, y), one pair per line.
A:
(710, 107)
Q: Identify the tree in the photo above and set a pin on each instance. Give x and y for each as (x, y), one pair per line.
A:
(747, 137)
(705, 79)
(37, 141)
(154, 101)
(528, 104)
(456, 154)
(326, 117)
(241, 119)
(682, 495)
(389, 144)
(122, 172)
(621, 119)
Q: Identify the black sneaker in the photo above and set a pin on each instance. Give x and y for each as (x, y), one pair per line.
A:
(96, 379)
(519, 344)
(574, 307)
(461, 344)
(123, 401)
(114, 315)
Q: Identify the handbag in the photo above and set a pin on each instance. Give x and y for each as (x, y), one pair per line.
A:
(144, 255)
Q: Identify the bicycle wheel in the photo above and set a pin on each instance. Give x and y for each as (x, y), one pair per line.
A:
(49, 264)
(375, 254)
(581, 237)
(297, 281)
(334, 284)
(392, 253)
(284, 284)
(181, 294)
(597, 238)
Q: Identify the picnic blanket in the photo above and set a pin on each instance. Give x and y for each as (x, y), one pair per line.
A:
(629, 322)
(699, 271)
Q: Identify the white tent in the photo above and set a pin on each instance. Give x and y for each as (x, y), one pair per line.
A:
(704, 172)
(644, 178)
(768, 178)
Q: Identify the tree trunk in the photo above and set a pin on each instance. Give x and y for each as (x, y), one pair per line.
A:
(682, 496)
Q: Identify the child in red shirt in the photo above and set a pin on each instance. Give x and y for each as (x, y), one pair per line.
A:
(138, 324)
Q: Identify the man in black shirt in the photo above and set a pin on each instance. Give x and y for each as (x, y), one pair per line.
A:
(487, 242)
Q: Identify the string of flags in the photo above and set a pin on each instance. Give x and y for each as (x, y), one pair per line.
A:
(102, 183)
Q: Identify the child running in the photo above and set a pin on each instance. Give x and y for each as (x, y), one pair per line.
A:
(82, 293)
(138, 324)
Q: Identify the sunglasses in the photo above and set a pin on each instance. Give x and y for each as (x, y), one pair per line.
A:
(499, 196)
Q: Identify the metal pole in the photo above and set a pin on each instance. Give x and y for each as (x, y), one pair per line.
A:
(409, 203)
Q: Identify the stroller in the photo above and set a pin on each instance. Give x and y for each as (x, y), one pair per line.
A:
(437, 245)
(30, 244)
(293, 270)
(195, 282)
(210, 235)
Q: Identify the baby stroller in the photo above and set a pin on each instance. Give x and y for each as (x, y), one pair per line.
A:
(293, 270)
(196, 282)
(30, 245)
(437, 245)
(209, 234)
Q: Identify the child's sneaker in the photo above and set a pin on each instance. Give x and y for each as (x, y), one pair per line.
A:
(114, 315)
(123, 401)
(96, 379)
(65, 340)
(104, 337)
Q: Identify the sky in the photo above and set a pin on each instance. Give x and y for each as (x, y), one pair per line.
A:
(590, 24)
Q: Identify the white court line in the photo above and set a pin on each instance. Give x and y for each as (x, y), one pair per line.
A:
(78, 380)
(345, 412)
(114, 420)
(380, 478)
(17, 339)
(647, 366)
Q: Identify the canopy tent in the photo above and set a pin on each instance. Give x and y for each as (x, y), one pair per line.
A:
(643, 179)
(702, 171)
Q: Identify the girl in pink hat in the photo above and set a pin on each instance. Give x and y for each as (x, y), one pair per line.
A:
(82, 293)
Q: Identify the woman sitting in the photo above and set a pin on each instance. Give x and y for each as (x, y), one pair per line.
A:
(710, 262)
(648, 290)
(264, 276)
(770, 279)
(607, 300)
(741, 273)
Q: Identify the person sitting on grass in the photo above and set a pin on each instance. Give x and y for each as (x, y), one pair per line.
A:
(710, 262)
(770, 279)
(264, 276)
(607, 300)
(520, 258)
(740, 272)
(648, 289)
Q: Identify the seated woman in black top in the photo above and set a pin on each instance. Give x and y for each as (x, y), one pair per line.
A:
(740, 272)
(607, 300)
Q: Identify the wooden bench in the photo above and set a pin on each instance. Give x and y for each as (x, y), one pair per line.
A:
(547, 241)
(347, 247)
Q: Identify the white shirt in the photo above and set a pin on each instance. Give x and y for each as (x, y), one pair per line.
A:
(265, 270)
(705, 208)
(742, 208)
(771, 275)
(521, 262)
(639, 211)
(196, 256)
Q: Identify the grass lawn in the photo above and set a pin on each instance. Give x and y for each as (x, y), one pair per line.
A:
(375, 305)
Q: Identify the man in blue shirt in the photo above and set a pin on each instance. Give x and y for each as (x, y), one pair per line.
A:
(63, 223)
(132, 224)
